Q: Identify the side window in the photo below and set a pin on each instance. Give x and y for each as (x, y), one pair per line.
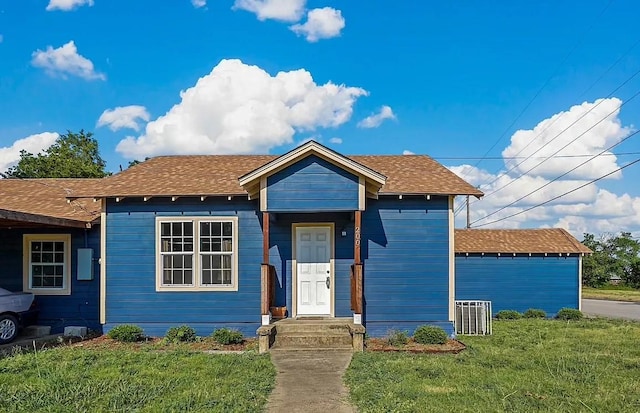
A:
(47, 264)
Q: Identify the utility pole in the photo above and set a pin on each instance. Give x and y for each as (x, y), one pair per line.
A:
(468, 216)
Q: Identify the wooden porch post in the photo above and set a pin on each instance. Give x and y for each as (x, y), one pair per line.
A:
(356, 285)
(265, 276)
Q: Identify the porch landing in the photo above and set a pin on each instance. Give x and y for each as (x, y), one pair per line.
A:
(311, 333)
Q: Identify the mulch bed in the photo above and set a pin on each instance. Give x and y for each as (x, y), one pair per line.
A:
(205, 344)
(380, 344)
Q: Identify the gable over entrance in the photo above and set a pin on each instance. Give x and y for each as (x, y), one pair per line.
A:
(312, 178)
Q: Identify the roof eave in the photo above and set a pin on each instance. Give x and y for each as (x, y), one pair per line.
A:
(43, 219)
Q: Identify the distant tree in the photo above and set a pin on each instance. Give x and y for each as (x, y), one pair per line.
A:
(136, 162)
(73, 155)
(612, 255)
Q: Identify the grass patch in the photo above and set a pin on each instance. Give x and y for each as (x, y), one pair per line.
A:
(528, 365)
(618, 293)
(136, 379)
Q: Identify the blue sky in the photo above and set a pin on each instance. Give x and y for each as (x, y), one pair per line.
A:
(448, 79)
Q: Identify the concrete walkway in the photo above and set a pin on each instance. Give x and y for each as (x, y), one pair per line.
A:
(310, 381)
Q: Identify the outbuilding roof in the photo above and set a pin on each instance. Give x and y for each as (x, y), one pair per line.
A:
(211, 175)
(534, 241)
(45, 202)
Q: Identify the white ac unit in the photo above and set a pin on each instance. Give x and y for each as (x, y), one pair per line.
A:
(473, 317)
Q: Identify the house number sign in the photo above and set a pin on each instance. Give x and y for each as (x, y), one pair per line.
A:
(357, 236)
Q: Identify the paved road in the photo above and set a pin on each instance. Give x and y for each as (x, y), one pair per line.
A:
(613, 309)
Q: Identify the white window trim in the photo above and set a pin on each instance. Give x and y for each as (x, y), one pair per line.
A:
(27, 239)
(197, 277)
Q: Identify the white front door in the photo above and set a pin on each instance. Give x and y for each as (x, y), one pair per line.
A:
(313, 269)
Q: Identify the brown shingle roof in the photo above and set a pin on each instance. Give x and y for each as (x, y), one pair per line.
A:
(555, 240)
(195, 175)
(48, 198)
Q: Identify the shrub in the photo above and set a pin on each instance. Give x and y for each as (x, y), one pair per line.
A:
(183, 334)
(397, 337)
(227, 336)
(508, 315)
(535, 313)
(127, 333)
(569, 314)
(430, 335)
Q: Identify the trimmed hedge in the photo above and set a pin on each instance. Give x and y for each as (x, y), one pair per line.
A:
(508, 315)
(184, 334)
(227, 336)
(535, 313)
(430, 335)
(569, 314)
(126, 333)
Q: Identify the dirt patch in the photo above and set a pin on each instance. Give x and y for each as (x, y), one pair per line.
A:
(379, 344)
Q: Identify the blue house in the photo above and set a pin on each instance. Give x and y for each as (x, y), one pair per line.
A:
(519, 269)
(50, 246)
(220, 241)
(229, 240)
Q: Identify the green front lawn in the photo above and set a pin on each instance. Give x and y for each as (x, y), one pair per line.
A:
(526, 366)
(617, 293)
(73, 379)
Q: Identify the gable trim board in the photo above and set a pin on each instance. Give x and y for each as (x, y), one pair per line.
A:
(305, 150)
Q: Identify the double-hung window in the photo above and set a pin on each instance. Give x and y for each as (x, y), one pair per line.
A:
(197, 253)
(47, 264)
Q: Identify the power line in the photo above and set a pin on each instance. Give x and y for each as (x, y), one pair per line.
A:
(555, 179)
(564, 130)
(559, 150)
(560, 196)
(494, 158)
(545, 84)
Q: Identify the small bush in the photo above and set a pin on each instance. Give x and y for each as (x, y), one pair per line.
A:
(535, 313)
(508, 315)
(182, 334)
(127, 333)
(397, 337)
(569, 314)
(226, 336)
(430, 335)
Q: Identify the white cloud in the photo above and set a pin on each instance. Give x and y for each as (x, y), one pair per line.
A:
(66, 5)
(283, 10)
(9, 156)
(335, 140)
(199, 3)
(238, 108)
(323, 23)
(588, 209)
(124, 117)
(375, 120)
(407, 152)
(64, 61)
(550, 136)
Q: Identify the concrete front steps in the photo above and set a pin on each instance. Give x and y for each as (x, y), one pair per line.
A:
(312, 334)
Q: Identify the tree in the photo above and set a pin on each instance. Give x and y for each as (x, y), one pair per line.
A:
(612, 255)
(73, 155)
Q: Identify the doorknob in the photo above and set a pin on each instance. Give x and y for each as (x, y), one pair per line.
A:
(328, 283)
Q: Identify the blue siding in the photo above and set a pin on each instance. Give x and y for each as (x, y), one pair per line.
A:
(312, 184)
(405, 246)
(518, 283)
(131, 269)
(57, 311)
